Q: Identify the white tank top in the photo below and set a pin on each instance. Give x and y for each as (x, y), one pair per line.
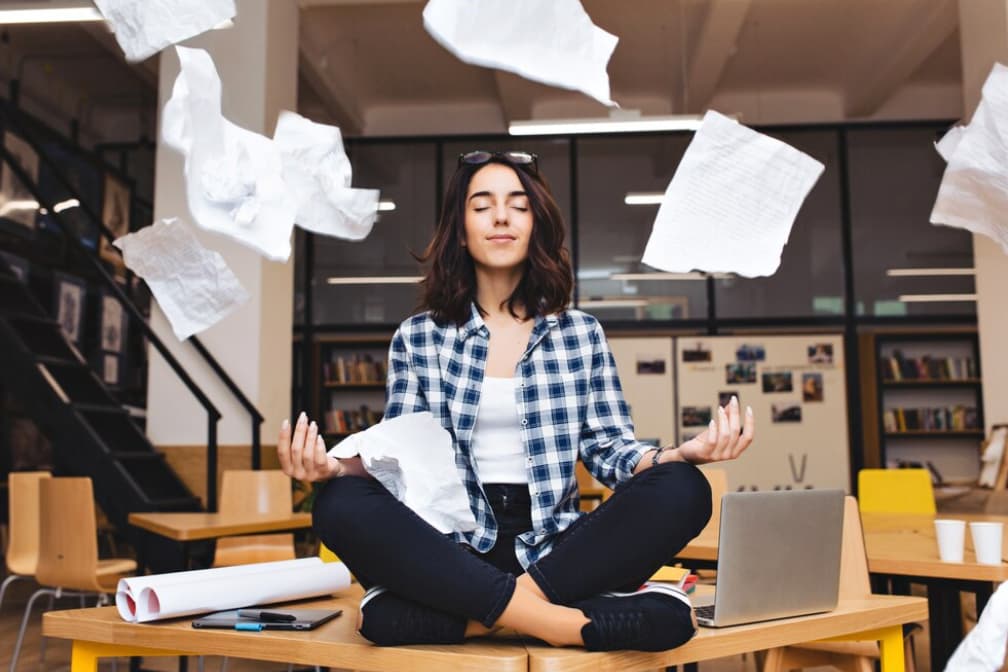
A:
(497, 448)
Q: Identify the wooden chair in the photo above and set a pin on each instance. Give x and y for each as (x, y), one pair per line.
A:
(68, 561)
(854, 583)
(254, 491)
(895, 491)
(23, 549)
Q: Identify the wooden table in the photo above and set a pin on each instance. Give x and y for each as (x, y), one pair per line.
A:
(186, 528)
(99, 632)
(905, 545)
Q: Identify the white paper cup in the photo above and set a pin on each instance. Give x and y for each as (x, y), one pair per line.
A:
(951, 539)
(987, 542)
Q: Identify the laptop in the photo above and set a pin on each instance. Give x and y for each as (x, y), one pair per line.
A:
(280, 619)
(778, 556)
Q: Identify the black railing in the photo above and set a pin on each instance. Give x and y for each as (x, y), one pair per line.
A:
(256, 418)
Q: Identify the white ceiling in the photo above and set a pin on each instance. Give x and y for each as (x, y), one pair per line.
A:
(369, 66)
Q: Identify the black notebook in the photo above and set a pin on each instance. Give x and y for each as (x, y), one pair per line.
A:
(304, 619)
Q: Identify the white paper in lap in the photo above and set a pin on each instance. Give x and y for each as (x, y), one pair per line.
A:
(234, 177)
(551, 42)
(318, 175)
(732, 202)
(311, 579)
(144, 27)
(129, 589)
(973, 194)
(193, 285)
(983, 649)
(413, 457)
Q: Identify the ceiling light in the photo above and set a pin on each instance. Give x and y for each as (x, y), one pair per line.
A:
(907, 272)
(694, 275)
(644, 198)
(616, 124)
(66, 205)
(80, 12)
(613, 303)
(375, 280)
(386, 206)
(931, 298)
(17, 206)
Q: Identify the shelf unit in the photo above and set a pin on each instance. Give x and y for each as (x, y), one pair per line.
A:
(349, 382)
(922, 399)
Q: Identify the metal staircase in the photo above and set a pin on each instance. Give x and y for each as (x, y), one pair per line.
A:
(91, 433)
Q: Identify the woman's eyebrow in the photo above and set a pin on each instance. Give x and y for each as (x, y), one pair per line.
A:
(487, 194)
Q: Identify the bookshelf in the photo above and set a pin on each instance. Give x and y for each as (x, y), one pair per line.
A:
(923, 400)
(349, 385)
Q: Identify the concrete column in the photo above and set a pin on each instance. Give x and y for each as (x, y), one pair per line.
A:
(983, 39)
(258, 61)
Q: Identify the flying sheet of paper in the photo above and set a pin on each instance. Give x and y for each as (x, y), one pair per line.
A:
(972, 194)
(947, 145)
(732, 202)
(317, 172)
(990, 461)
(234, 177)
(144, 27)
(552, 42)
(983, 649)
(193, 285)
(412, 456)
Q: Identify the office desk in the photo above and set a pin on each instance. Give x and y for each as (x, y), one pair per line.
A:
(99, 632)
(189, 527)
(905, 545)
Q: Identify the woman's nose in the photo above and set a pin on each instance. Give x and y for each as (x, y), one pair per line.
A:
(500, 214)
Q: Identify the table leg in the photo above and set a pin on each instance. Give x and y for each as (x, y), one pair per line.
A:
(983, 593)
(944, 620)
(891, 649)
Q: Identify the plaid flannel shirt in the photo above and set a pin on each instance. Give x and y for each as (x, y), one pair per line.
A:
(568, 398)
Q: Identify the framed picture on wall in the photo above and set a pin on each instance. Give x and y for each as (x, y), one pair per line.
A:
(113, 325)
(116, 200)
(110, 369)
(70, 293)
(17, 204)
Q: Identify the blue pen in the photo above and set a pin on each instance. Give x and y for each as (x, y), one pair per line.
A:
(254, 627)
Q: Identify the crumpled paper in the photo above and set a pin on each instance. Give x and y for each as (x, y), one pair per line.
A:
(234, 177)
(972, 194)
(193, 285)
(317, 172)
(144, 27)
(983, 649)
(551, 42)
(413, 457)
(732, 202)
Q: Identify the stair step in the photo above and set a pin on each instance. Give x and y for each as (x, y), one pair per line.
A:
(144, 456)
(79, 384)
(44, 337)
(98, 408)
(55, 360)
(177, 504)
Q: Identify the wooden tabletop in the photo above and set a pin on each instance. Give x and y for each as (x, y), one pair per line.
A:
(850, 616)
(334, 644)
(193, 526)
(900, 543)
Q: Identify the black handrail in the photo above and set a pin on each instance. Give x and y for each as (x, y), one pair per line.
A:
(256, 417)
(213, 414)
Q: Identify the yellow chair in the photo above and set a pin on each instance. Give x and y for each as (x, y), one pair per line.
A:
(895, 491)
(326, 554)
(855, 583)
(254, 491)
(68, 563)
(23, 544)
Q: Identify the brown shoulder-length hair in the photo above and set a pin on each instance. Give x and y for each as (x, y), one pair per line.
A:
(449, 285)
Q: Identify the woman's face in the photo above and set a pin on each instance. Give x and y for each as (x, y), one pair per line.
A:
(498, 219)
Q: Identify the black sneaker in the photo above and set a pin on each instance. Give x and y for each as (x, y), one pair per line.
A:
(655, 618)
(390, 620)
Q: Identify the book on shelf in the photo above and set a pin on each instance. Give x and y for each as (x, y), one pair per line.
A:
(946, 419)
(347, 421)
(901, 368)
(355, 368)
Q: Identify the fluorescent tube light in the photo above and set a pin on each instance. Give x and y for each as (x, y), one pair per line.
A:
(643, 198)
(618, 124)
(386, 206)
(908, 272)
(17, 206)
(695, 275)
(934, 298)
(613, 303)
(375, 280)
(49, 15)
(66, 205)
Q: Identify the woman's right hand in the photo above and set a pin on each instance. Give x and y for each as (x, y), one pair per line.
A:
(303, 454)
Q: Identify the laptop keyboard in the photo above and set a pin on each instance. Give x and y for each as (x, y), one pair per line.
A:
(705, 611)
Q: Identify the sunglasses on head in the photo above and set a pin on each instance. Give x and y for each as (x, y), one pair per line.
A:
(478, 157)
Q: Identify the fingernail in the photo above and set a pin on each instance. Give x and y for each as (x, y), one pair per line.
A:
(313, 426)
(734, 400)
(711, 426)
(302, 418)
(285, 424)
(748, 410)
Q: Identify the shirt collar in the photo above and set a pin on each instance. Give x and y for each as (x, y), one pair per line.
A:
(476, 325)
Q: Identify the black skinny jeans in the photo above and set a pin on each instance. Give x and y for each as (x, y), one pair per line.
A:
(618, 546)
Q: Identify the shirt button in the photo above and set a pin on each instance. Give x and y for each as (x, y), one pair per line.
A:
(542, 533)
(529, 460)
(524, 421)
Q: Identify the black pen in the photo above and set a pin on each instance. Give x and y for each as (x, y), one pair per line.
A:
(266, 616)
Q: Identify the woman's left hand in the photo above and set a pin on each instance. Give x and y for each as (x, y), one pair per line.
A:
(725, 438)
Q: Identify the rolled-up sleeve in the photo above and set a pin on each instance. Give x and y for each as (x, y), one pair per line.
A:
(608, 447)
